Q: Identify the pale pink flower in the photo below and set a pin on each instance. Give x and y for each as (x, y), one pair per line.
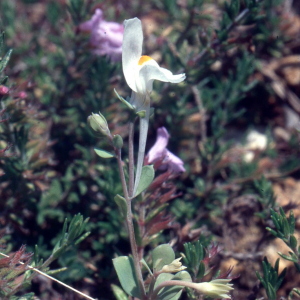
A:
(106, 37)
(22, 95)
(160, 151)
(3, 89)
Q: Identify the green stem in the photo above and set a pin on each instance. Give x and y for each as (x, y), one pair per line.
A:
(130, 227)
(131, 157)
(144, 123)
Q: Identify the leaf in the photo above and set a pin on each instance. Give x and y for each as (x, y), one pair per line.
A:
(171, 292)
(124, 101)
(162, 255)
(201, 270)
(147, 177)
(5, 60)
(118, 292)
(146, 266)
(292, 222)
(103, 153)
(293, 242)
(124, 267)
(122, 204)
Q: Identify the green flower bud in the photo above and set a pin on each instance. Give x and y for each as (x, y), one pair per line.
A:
(98, 123)
(118, 141)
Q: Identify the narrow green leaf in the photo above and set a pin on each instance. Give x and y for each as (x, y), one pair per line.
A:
(280, 279)
(201, 270)
(292, 222)
(287, 257)
(123, 100)
(265, 270)
(36, 255)
(271, 292)
(82, 228)
(293, 242)
(118, 292)
(83, 237)
(5, 60)
(64, 230)
(286, 227)
(297, 267)
(146, 266)
(122, 204)
(103, 153)
(276, 267)
(282, 212)
(272, 231)
(162, 255)
(124, 267)
(147, 177)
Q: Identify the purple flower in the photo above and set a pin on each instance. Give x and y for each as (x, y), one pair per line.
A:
(106, 37)
(160, 151)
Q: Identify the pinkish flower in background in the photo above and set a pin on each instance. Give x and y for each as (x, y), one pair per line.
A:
(160, 151)
(3, 90)
(22, 95)
(106, 37)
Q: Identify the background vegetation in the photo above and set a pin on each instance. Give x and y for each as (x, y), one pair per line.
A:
(242, 64)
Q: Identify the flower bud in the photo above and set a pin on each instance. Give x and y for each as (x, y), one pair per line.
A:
(217, 288)
(174, 267)
(118, 141)
(98, 123)
(3, 89)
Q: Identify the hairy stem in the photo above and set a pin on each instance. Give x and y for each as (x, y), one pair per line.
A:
(130, 227)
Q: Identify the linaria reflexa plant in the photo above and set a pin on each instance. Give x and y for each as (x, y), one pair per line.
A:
(140, 71)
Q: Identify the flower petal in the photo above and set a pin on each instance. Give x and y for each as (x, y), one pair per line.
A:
(150, 70)
(132, 50)
(159, 148)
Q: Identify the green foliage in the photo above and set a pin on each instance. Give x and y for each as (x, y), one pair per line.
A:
(284, 230)
(285, 227)
(162, 255)
(271, 280)
(71, 237)
(194, 254)
(147, 177)
(171, 292)
(266, 196)
(124, 267)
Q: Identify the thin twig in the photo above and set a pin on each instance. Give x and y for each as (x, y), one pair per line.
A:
(52, 278)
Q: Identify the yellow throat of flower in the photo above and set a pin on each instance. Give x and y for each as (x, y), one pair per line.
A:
(144, 59)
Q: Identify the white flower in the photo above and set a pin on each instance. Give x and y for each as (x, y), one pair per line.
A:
(217, 288)
(174, 267)
(140, 72)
